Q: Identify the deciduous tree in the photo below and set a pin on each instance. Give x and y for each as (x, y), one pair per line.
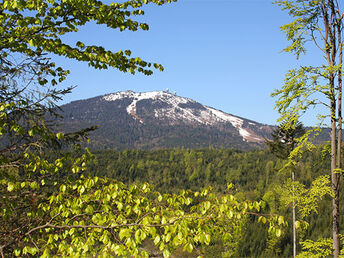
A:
(281, 145)
(320, 22)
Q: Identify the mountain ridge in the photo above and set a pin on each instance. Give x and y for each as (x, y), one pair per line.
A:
(160, 119)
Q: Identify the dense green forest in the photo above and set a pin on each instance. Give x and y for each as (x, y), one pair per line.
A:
(256, 175)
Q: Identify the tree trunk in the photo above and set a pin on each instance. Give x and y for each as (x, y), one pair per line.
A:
(330, 25)
(335, 182)
(294, 217)
(335, 215)
(340, 83)
(339, 137)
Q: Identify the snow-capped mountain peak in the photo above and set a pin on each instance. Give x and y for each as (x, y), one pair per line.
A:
(176, 109)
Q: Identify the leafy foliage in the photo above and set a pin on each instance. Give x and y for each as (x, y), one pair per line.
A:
(256, 175)
(48, 207)
(320, 22)
(94, 216)
(320, 248)
(306, 199)
(35, 27)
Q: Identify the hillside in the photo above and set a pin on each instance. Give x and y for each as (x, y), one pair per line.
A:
(160, 119)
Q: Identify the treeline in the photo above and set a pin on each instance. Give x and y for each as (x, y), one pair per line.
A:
(256, 175)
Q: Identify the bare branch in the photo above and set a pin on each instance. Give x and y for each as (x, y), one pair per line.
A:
(33, 242)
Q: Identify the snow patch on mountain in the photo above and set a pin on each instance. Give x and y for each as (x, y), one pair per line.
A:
(131, 109)
(154, 95)
(167, 97)
(237, 123)
(130, 94)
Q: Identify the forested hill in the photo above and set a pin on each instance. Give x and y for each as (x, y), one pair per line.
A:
(160, 119)
(256, 175)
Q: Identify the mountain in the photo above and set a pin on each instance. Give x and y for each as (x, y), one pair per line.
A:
(160, 119)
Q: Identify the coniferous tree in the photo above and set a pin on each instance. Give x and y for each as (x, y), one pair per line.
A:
(283, 142)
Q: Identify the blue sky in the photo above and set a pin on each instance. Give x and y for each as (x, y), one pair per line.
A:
(222, 53)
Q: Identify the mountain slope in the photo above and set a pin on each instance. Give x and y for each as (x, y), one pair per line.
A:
(160, 119)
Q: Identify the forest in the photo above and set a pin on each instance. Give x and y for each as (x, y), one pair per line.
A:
(256, 175)
(59, 199)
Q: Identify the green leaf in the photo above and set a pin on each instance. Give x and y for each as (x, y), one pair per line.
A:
(297, 224)
(17, 252)
(160, 198)
(31, 132)
(119, 206)
(167, 237)
(59, 136)
(166, 253)
(138, 236)
(157, 240)
(280, 220)
(89, 209)
(207, 239)
(207, 205)
(188, 201)
(189, 247)
(82, 189)
(63, 188)
(124, 233)
(34, 185)
(263, 220)
(10, 187)
(230, 214)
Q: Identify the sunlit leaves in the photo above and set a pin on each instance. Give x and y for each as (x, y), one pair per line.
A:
(305, 25)
(320, 248)
(306, 199)
(60, 211)
(40, 30)
(121, 217)
(10, 187)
